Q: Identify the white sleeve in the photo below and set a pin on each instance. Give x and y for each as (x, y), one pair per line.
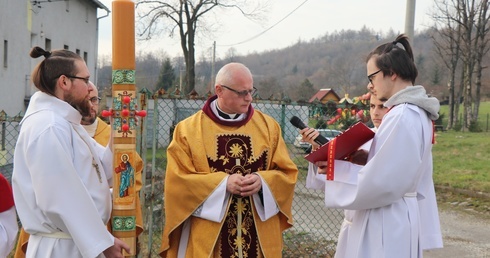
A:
(269, 208)
(313, 179)
(8, 231)
(214, 206)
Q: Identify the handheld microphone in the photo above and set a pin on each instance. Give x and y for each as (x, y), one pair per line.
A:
(299, 124)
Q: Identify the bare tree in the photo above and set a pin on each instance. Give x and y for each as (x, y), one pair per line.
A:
(447, 38)
(151, 65)
(475, 43)
(466, 40)
(467, 22)
(187, 17)
(482, 46)
(231, 54)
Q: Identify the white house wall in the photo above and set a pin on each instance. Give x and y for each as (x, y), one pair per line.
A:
(14, 30)
(71, 23)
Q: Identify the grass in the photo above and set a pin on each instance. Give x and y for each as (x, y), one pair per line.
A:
(483, 115)
(461, 160)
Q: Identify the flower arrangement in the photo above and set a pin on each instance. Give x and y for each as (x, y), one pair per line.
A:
(353, 110)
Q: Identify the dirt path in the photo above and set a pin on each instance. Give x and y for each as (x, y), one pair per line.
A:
(466, 232)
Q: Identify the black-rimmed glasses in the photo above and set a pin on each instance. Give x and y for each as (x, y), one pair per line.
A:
(242, 93)
(95, 100)
(76, 77)
(370, 77)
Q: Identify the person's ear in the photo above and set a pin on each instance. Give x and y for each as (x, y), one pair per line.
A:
(394, 76)
(63, 82)
(218, 89)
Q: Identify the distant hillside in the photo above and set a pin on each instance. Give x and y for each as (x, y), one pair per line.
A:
(335, 60)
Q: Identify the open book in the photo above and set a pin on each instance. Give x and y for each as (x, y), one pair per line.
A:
(343, 144)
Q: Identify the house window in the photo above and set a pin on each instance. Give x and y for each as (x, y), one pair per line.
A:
(65, 47)
(5, 53)
(47, 44)
(85, 56)
(77, 51)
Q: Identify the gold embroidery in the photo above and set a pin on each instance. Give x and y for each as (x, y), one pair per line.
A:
(238, 237)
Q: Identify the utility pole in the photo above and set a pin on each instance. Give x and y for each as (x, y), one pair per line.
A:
(410, 19)
(180, 82)
(212, 66)
(180, 74)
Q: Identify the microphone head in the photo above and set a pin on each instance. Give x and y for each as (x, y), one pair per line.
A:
(297, 122)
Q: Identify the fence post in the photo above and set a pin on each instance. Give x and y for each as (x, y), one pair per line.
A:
(283, 119)
(153, 164)
(141, 146)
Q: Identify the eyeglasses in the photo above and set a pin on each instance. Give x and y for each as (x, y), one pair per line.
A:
(370, 77)
(242, 93)
(76, 77)
(95, 100)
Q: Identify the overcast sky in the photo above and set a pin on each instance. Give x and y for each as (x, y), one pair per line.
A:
(287, 22)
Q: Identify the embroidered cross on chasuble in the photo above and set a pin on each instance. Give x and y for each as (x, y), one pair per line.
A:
(238, 236)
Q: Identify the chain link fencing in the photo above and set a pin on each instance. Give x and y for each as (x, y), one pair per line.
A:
(9, 134)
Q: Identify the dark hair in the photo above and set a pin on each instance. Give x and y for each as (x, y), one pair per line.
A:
(392, 59)
(55, 63)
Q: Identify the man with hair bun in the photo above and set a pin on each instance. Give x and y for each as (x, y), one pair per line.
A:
(61, 176)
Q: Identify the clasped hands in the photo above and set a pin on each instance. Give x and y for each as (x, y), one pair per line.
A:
(244, 185)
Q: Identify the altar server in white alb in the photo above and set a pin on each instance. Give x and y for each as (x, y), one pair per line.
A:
(61, 176)
(392, 197)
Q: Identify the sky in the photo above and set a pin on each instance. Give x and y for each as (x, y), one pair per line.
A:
(287, 22)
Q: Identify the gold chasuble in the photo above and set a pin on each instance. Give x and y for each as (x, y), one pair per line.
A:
(102, 133)
(203, 152)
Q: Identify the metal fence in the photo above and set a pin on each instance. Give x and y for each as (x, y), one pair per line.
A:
(10, 132)
(315, 229)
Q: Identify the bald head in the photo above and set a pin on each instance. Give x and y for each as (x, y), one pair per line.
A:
(233, 73)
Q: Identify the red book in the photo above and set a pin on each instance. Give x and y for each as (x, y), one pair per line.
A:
(341, 146)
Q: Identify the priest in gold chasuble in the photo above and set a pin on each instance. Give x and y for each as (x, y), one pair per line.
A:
(229, 181)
